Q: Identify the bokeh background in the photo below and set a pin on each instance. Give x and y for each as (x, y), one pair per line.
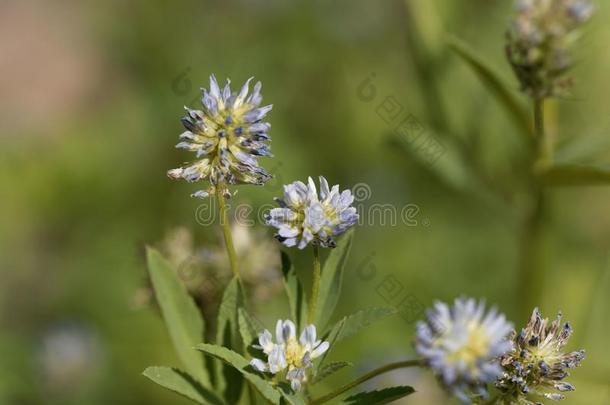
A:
(91, 96)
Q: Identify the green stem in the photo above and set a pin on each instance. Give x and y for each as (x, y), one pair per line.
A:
(543, 139)
(315, 285)
(533, 266)
(226, 230)
(366, 377)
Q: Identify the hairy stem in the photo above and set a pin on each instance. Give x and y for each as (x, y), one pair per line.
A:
(315, 286)
(366, 377)
(226, 230)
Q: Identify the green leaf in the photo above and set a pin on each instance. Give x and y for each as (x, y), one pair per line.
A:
(227, 334)
(232, 299)
(289, 396)
(576, 175)
(295, 292)
(249, 327)
(495, 84)
(182, 383)
(452, 167)
(352, 324)
(582, 149)
(332, 278)
(384, 396)
(182, 318)
(239, 363)
(330, 369)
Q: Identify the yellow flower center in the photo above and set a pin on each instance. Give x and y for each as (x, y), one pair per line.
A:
(294, 353)
(476, 347)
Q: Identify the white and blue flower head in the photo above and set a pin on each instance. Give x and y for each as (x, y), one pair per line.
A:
(462, 343)
(289, 355)
(227, 135)
(304, 216)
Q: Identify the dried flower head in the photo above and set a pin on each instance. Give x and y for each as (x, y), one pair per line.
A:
(537, 365)
(227, 136)
(289, 355)
(304, 217)
(539, 43)
(461, 345)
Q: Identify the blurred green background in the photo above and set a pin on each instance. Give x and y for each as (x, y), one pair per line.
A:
(91, 96)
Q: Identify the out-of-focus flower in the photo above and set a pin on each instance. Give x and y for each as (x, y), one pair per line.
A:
(227, 136)
(537, 365)
(289, 355)
(305, 217)
(539, 43)
(205, 272)
(461, 345)
(69, 355)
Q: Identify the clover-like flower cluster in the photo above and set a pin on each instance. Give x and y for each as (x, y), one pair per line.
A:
(227, 136)
(539, 43)
(537, 365)
(288, 354)
(305, 217)
(461, 345)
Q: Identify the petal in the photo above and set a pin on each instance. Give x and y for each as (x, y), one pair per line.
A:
(289, 330)
(175, 173)
(259, 365)
(257, 114)
(279, 336)
(287, 231)
(296, 377)
(308, 336)
(265, 341)
(242, 94)
(226, 92)
(214, 89)
(324, 190)
(290, 242)
(277, 360)
(320, 350)
(255, 98)
(312, 193)
(295, 385)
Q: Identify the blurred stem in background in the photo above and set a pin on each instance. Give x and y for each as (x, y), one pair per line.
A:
(315, 286)
(533, 264)
(226, 229)
(425, 42)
